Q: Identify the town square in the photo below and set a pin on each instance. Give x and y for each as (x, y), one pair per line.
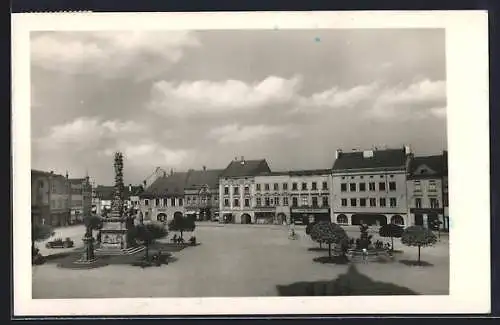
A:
(204, 164)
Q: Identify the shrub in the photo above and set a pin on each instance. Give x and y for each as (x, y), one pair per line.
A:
(418, 236)
(148, 233)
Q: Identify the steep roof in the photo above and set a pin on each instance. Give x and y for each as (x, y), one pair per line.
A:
(242, 168)
(168, 185)
(419, 165)
(305, 172)
(383, 159)
(198, 178)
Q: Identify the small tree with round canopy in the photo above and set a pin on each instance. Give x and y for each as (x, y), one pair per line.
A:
(418, 236)
(329, 233)
(391, 230)
(181, 224)
(148, 233)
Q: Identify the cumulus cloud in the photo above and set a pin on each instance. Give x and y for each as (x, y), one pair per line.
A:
(85, 132)
(149, 153)
(342, 98)
(418, 100)
(233, 133)
(187, 98)
(110, 54)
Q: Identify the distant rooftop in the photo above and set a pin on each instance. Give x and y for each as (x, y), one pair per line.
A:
(242, 168)
(370, 159)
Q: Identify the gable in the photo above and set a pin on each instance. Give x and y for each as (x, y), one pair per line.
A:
(424, 170)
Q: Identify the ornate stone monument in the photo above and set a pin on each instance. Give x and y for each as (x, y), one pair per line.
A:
(114, 231)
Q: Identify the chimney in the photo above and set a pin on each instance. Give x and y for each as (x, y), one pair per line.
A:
(204, 168)
(144, 182)
(235, 158)
(338, 153)
(368, 154)
(130, 188)
(171, 171)
(407, 149)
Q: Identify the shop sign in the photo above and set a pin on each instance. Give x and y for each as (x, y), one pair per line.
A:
(310, 210)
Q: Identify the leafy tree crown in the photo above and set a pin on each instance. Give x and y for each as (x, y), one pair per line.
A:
(329, 233)
(418, 236)
(391, 230)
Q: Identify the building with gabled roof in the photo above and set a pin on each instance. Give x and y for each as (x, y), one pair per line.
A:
(235, 194)
(201, 193)
(164, 198)
(426, 190)
(370, 186)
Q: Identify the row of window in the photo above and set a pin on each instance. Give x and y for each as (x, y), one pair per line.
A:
(276, 201)
(372, 202)
(361, 187)
(160, 202)
(363, 176)
(433, 203)
(202, 200)
(431, 188)
(295, 186)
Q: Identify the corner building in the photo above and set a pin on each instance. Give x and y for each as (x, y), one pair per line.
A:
(370, 187)
(427, 191)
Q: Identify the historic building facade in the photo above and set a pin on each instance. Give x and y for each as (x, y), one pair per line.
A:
(310, 195)
(235, 190)
(50, 198)
(201, 193)
(370, 187)
(80, 198)
(270, 197)
(164, 198)
(40, 197)
(426, 191)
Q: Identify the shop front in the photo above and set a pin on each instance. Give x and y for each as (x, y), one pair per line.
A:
(265, 215)
(429, 218)
(310, 215)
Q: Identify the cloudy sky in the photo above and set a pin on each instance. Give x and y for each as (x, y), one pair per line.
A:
(186, 99)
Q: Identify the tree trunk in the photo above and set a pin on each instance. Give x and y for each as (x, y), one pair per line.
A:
(418, 254)
(392, 243)
(181, 235)
(329, 250)
(321, 245)
(146, 253)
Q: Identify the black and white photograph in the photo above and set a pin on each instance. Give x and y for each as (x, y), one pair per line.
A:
(273, 162)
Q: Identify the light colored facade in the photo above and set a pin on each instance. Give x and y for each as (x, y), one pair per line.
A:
(164, 198)
(201, 193)
(235, 191)
(270, 201)
(370, 187)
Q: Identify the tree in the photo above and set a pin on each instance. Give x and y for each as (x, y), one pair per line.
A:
(314, 232)
(39, 233)
(329, 233)
(391, 230)
(418, 236)
(148, 233)
(181, 224)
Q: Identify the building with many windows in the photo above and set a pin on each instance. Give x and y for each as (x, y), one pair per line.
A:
(270, 198)
(370, 187)
(80, 198)
(103, 196)
(50, 198)
(164, 198)
(201, 193)
(426, 190)
(309, 195)
(236, 198)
